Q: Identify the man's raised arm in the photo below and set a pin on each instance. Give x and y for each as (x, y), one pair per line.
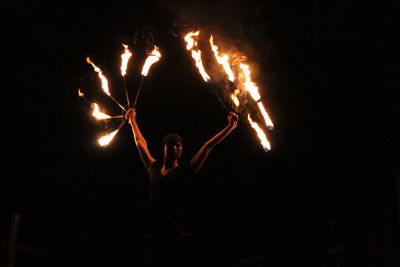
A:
(139, 139)
(198, 160)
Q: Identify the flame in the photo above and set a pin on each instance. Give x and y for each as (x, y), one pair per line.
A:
(98, 114)
(80, 94)
(151, 59)
(125, 58)
(234, 97)
(265, 115)
(223, 60)
(248, 84)
(252, 88)
(196, 54)
(261, 135)
(104, 82)
(190, 41)
(106, 139)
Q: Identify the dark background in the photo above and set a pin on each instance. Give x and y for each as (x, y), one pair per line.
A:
(327, 76)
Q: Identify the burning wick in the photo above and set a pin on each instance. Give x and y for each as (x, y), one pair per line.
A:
(124, 62)
(252, 88)
(104, 82)
(105, 140)
(154, 56)
(98, 114)
(261, 135)
(222, 60)
(196, 54)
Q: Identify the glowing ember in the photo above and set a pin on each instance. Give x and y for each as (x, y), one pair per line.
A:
(104, 82)
(106, 139)
(98, 114)
(260, 134)
(125, 58)
(223, 60)
(196, 54)
(151, 59)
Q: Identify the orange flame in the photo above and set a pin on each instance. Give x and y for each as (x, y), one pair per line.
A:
(98, 114)
(80, 94)
(190, 41)
(196, 54)
(106, 139)
(125, 58)
(265, 115)
(234, 97)
(260, 134)
(223, 60)
(252, 88)
(104, 82)
(151, 59)
(248, 84)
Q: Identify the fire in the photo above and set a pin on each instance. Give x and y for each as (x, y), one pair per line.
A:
(190, 41)
(261, 135)
(98, 114)
(234, 97)
(223, 60)
(106, 139)
(248, 84)
(252, 88)
(151, 59)
(196, 54)
(265, 115)
(104, 82)
(80, 94)
(125, 58)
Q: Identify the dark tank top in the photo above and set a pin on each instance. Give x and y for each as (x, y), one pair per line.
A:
(166, 198)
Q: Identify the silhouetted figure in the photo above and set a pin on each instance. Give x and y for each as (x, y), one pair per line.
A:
(167, 183)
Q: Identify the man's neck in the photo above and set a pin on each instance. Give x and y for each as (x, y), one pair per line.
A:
(168, 164)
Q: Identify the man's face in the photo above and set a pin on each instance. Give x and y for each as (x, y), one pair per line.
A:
(173, 150)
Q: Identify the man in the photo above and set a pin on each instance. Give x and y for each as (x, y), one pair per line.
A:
(168, 178)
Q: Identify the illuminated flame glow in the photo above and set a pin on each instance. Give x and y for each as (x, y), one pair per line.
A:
(260, 134)
(234, 97)
(151, 59)
(196, 54)
(106, 139)
(265, 115)
(98, 114)
(223, 60)
(252, 88)
(190, 41)
(104, 82)
(125, 58)
(80, 94)
(248, 84)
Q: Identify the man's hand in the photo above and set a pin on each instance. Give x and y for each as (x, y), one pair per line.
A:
(131, 115)
(233, 119)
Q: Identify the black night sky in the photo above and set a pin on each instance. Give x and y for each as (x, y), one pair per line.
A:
(327, 77)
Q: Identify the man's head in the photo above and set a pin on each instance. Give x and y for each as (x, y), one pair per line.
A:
(172, 146)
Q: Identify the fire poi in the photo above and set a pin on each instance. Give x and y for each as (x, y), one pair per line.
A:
(244, 81)
(99, 115)
(237, 72)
